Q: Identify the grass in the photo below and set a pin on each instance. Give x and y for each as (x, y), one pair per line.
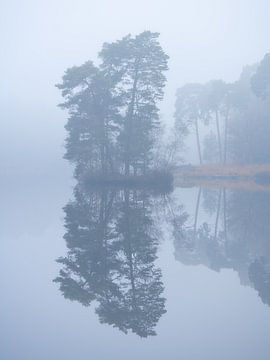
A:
(217, 170)
(252, 177)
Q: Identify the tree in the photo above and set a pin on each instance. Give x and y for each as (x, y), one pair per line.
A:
(260, 81)
(93, 118)
(113, 108)
(217, 107)
(210, 148)
(140, 63)
(197, 103)
(189, 111)
(250, 128)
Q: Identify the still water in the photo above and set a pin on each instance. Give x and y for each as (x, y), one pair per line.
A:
(131, 273)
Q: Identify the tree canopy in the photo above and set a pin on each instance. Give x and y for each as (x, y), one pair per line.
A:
(113, 108)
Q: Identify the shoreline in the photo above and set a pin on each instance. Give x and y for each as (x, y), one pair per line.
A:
(253, 177)
(222, 171)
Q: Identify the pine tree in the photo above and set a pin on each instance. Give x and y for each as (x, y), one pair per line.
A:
(93, 117)
(140, 63)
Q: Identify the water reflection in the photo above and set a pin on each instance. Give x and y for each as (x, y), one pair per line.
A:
(236, 236)
(112, 248)
(113, 237)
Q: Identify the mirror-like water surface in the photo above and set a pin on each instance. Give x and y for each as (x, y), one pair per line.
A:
(116, 273)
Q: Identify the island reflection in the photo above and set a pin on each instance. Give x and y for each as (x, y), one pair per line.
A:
(113, 236)
(112, 248)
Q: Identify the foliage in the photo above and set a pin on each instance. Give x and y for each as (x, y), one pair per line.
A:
(237, 113)
(113, 108)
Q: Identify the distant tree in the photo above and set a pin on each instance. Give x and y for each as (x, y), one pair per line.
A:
(260, 81)
(189, 111)
(203, 104)
(217, 107)
(249, 131)
(210, 148)
(140, 63)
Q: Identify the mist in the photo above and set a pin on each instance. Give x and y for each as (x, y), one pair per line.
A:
(204, 39)
(115, 245)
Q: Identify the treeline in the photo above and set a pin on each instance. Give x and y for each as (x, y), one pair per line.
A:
(230, 120)
(113, 108)
(114, 125)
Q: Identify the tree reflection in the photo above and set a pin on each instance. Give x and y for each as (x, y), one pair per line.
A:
(237, 237)
(112, 248)
(259, 274)
(113, 236)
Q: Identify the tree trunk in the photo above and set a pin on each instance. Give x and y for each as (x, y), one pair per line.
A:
(225, 214)
(129, 120)
(217, 216)
(103, 165)
(226, 136)
(219, 138)
(197, 211)
(129, 248)
(198, 141)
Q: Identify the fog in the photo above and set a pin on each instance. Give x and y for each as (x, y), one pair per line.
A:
(40, 39)
(206, 248)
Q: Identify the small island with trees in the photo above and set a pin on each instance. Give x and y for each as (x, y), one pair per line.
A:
(114, 126)
(124, 160)
(115, 135)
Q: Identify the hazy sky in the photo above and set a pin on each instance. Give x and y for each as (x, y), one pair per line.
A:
(205, 39)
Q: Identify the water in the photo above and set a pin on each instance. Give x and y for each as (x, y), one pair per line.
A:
(115, 274)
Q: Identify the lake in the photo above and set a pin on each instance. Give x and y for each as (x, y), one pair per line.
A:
(111, 273)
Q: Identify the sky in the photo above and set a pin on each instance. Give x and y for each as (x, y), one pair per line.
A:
(205, 39)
